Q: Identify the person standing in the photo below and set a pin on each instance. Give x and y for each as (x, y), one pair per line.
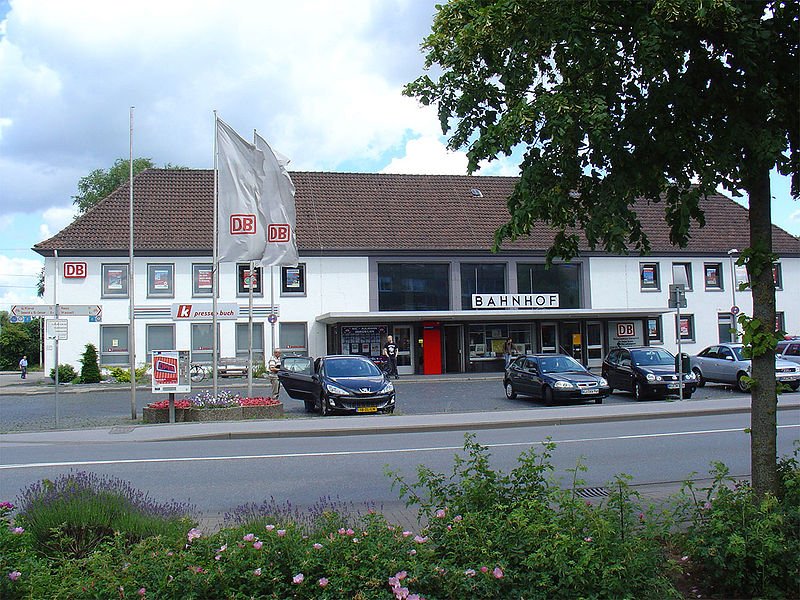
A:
(508, 350)
(274, 366)
(390, 352)
(23, 366)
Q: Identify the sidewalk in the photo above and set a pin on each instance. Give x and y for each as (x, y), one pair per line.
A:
(375, 424)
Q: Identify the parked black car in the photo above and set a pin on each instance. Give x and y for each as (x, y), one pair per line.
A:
(646, 371)
(553, 377)
(345, 384)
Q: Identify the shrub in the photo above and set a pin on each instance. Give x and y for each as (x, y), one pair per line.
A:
(90, 368)
(66, 374)
(72, 515)
(745, 546)
(259, 370)
(123, 375)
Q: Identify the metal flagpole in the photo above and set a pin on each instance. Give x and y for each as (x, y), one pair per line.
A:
(250, 333)
(272, 306)
(55, 340)
(215, 269)
(131, 312)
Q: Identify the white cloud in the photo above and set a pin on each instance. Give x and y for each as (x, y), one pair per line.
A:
(428, 156)
(18, 278)
(55, 219)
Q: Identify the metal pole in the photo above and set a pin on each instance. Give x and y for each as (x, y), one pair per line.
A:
(55, 341)
(250, 333)
(131, 311)
(732, 254)
(215, 269)
(678, 297)
(272, 305)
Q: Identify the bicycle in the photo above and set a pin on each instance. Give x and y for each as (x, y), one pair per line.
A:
(197, 372)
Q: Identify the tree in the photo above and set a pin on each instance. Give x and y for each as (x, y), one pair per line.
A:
(618, 102)
(90, 368)
(101, 182)
(18, 340)
(40, 284)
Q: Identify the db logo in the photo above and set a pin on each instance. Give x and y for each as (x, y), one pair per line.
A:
(626, 330)
(184, 311)
(279, 232)
(243, 224)
(74, 270)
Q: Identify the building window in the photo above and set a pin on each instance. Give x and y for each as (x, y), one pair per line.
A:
(293, 280)
(293, 338)
(682, 275)
(160, 337)
(366, 340)
(114, 345)
(161, 280)
(654, 334)
(725, 326)
(561, 279)
(777, 277)
(685, 327)
(243, 343)
(202, 279)
(742, 277)
(648, 277)
(202, 342)
(244, 281)
(780, 322)
(413, 286)
(115, 281)
(712, 273)
(481, 278)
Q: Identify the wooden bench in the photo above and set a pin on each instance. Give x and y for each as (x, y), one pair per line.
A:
(232, 367)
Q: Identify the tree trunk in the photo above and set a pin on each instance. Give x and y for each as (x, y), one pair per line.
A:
(763, 420)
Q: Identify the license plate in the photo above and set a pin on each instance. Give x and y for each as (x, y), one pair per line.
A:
(367, 409)
(591, 391)
(673, 386)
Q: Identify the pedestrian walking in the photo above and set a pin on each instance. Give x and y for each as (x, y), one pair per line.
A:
(390, 352)
(508, 351)
(274, 366)
(23, 366)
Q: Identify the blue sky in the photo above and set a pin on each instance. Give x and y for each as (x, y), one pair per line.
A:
(321, 81)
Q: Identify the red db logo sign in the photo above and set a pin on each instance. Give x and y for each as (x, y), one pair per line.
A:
(279, 232)
(74, 270)
(243, 224)
(626, 330)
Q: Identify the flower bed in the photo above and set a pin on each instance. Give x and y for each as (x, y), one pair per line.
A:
(158, 412)
(204, 407)
(261, 408)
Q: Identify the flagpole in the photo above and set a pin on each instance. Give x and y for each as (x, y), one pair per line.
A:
(250, 333)
(272, 306)
(215, 279)
(131, 300)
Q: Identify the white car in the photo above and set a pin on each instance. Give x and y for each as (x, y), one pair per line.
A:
(726, 363)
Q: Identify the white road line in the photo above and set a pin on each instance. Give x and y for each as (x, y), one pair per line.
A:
(131, 461)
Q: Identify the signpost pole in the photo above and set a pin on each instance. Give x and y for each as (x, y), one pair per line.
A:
(680, 355)
(172, 407)
(55, 341)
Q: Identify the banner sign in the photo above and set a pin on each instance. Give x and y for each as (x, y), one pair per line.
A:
(170, 371)
(204, 311)
(496, 301)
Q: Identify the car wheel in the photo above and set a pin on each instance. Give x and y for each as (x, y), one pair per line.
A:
(700, 381)
(323, 406)
(687, 396)
(741, 384)
(638, 393)
(309, 404)
(510, 393)
(598, 400)
(795, 386)
(548, 396)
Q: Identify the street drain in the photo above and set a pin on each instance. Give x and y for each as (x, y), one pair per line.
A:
(121, 429)
(595, 492)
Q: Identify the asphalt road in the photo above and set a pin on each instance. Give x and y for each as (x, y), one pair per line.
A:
(97, 407)
(217, 475)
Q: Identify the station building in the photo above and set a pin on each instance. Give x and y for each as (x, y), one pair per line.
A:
(406, 255)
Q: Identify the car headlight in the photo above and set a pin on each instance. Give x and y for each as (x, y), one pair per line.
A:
(689, 375)
(388, 388)
(336, 391)
(562, 385)
(603, 381)
(651, 377)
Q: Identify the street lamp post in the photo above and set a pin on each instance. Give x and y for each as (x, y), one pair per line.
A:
(732, 254)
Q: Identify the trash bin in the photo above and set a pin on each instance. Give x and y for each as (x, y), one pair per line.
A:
(684, 365)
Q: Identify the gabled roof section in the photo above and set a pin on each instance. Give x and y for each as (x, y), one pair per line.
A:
(366, 212)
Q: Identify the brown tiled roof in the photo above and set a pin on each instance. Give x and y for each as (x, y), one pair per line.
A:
(363, 212)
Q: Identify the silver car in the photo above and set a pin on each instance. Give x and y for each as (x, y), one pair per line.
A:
(725, 363)
(789, 350)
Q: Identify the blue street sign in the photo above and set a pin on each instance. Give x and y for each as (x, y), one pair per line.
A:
(27, 319)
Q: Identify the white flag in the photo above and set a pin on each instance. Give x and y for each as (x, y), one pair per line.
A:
(277, 204)
(242, 221)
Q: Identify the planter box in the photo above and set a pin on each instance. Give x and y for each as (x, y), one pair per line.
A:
(214, 414)
(263, 412)
(161, 415)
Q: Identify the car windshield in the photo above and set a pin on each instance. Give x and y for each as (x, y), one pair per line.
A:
(654, 356)
(559, 364)
(351, 367)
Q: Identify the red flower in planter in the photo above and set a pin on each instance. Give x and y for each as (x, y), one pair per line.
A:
(258, 402)
(164, 404)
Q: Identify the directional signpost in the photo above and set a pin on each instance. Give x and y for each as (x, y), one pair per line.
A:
(677, 300)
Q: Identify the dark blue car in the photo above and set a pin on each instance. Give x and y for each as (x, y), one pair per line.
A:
(553, 378)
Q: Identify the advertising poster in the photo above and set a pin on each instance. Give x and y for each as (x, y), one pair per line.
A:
(170, 371)
(204, 279)
(293, 279)
(712, 277)
(648, 276)
(161, 279)
(115, 278)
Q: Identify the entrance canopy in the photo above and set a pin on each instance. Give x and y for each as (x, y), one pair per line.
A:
(332, 318)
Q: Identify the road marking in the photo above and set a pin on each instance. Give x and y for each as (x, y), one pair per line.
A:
(178, 459)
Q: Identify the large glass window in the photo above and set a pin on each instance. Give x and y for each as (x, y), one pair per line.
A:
(654, 334)
(202, 342)
(725, 327)
(777, 276)
(114, 345)
(407, 286)
(202, 279)
(293, 338)
(649, 278)
(243, 337)
(685, 327)
(481, 278)
(115, 281)
(561, 279)
(244, 280)
(682, 275)
(293, 280)
(713, 275)
(160, 337)
(161, 280)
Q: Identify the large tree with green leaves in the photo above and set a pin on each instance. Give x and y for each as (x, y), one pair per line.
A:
(614, 102)
(101, 182)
